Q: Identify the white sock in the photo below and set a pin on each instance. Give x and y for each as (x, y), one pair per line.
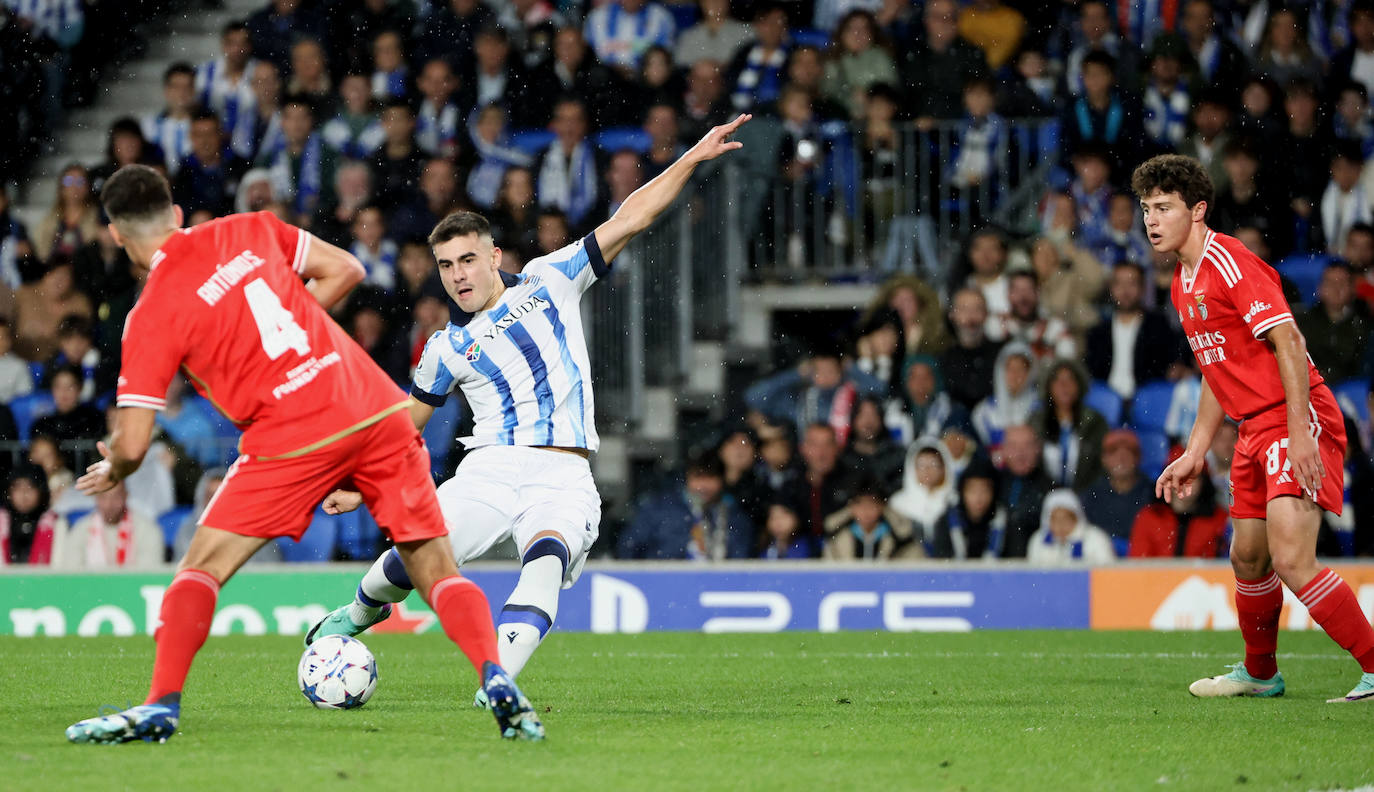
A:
(529, 612)
(385, 581)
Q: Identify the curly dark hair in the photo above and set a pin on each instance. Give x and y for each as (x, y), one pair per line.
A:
(1173, 173)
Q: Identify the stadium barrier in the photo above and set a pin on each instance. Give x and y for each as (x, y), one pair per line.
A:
(632, 598)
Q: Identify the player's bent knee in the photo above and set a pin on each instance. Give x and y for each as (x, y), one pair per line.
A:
(548, 544)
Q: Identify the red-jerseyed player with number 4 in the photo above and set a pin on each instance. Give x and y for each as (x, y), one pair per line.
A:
(1290, 457)
(226, 302)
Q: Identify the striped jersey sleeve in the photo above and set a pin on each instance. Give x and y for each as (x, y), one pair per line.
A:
(433, 380)
(580, 264)
(1253, 286)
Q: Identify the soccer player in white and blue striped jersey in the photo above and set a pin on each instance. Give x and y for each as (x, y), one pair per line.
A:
(516, 349)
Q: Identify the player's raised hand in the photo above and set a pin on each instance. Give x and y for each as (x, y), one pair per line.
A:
(1178, 477)
(717, 141)
(1306, 462)
(341, 501)
(97, 478)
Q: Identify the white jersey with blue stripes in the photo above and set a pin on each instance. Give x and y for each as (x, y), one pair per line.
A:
(522, 364)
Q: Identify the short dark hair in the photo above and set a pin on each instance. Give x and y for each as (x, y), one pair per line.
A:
(205, 114)
(301, 99)
(180, 67)
(706, 463)
(1099, 58)
(399, 103)
(457, 225)
(67, 368)
(75, 324)
(233, 26)
(1173, 173)
(1360, 228)
(1028, 274)
(135, 192)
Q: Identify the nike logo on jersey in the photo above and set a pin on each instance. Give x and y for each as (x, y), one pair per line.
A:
(1256, 308)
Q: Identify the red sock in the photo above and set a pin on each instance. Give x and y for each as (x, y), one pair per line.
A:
(466, 618)
(1258, 603)
(188, 607)
(1333, 605)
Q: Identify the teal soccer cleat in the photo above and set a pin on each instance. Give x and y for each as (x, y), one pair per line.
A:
(479, 700)
(1238, 683)
(148, 722)
(514, 715)
(1362, 692)
(340, 623)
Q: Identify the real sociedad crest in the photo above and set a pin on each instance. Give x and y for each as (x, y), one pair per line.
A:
(473, 351)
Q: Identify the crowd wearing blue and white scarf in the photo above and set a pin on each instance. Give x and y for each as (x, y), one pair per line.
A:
(380, 265)
(569, 183)
(760, 81)
(484, 180)
(436, 129)
(228, 99)
(301, 187)
(172, 135)
(252, 136)
(352, 140)
(1166, 117)
(390, 85)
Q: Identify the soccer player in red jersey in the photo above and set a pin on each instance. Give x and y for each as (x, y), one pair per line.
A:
(1289, 460)
(227, 303)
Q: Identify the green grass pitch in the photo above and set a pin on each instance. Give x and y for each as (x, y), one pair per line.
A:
(795, 711)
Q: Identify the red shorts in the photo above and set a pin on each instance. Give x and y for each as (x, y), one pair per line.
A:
(1261, 472)
(386, 462)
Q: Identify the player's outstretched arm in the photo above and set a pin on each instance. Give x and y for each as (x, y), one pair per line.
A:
(1290, 349)
(332, 271)
(133, 433)
(648, 202)
(1180, 474)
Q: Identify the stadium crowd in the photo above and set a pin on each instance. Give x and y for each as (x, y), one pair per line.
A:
(1016, 404)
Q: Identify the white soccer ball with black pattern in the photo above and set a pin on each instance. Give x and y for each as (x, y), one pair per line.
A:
(338, 672)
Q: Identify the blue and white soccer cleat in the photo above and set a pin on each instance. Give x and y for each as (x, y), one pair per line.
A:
(340, 623)
(514, 715)
(147, 722)
(1362, 692)
(479, 700)
(1238, 683)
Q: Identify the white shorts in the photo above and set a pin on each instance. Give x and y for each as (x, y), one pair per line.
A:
(520, 493)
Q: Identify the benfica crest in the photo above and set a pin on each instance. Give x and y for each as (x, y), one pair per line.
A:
(1201, 309)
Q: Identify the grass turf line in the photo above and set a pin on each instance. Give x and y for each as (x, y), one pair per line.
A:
(797, 711)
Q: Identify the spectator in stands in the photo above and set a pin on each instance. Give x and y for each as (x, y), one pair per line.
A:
(192, 425)
(1095, 34)
(658, 80)
(858, 59)
(15, 378)
(1070, 277)
(1028, 90)
(368, 324)
(918, 308)
(260, 129)
(1132, 345)
(1066, 536)
(980, 150)
(63, 498)
(302, 167)
(1351, 122)
(994, 28)
(782, 536)
(1071, 431)
(1211, 116)
(1303, 148)
(621, 30)
(16, 252)
(928, 489)
(968, 365)
(170, 128)
(439, 195)
(1359, 51)
(73, 219)
(28, 528)
(717, 37)
(208, 177)
(390, 74)
(113, 536)
(39, 308)
(881, 349)
(871, 448)
(76, 347)
(868, 530)
(695, 520)
(1345, 201)
(551, 231)
(125, 146)
(1359, 254)
(152, 488)
(568, 170)
(824, 487)
(396, 165)
(310, 76)
(1046, 336)
(624, 175)
(498, 80)
(575, 71)
(450, 30)
(1219, 62)
(1178, 423)
(1122, 238)
(1284, 53)
(704, 103)
(1337, 328)
(924, 407)
(1021, 490)
(355, 131)
(1102, 115)
(514, 220)
(755, 74)
(1192, 526)
(1091, 191)
(936, 66)
(821, 389)
(805, 69)
(1248, 201)
(532, 25)
(1167, 98)
(437, 122)
(738, 455)
(72, 420)
(975, 524)
(273, 28)
(371, 247)
(223, 84)
(987, 262)
(1114, 499)
(1013, 396)
(352, 191)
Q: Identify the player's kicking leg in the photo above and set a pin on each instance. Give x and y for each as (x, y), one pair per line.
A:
(188, 607)
(1259, 598)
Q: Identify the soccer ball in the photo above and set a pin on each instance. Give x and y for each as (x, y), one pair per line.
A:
(337, 672)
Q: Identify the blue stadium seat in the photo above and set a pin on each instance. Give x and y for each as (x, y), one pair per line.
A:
(810, 37)
(1305, 270)
(1150, 407)
(36, 371)
(1047, 143)
(684, 16)
(1353, 397)
(29, 408)
(613, 139)
(1106, 401)
(1154, 452)
(171, 522)
(318, 542)
(439, 436)
(1122, 546)
(360, 537)
(531, 141)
